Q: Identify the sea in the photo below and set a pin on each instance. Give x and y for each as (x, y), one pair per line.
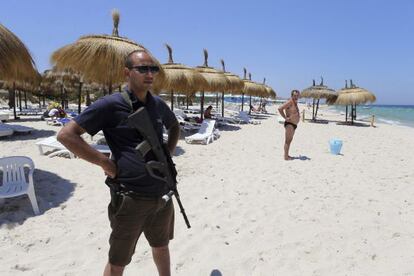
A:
(388, 114)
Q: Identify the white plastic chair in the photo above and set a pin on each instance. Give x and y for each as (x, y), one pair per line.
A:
(205, 134)
(15, 181)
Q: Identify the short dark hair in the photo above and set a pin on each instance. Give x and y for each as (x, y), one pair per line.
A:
(128, 60)
(294, 91)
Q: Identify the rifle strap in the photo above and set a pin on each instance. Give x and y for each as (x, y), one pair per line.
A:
(127, 99)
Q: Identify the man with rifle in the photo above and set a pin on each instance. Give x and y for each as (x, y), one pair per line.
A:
(141, 175)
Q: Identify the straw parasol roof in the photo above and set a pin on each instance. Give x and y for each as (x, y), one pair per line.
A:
(236, 85)
(179, 77)
(252, 88)
(66, 76)
(354, 95)
(216, 80)
(317, 92)
(320, 91)
(100, 58)
(16, 62)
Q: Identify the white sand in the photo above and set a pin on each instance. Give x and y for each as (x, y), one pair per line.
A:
(252, 213)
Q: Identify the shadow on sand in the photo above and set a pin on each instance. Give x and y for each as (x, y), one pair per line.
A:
(356, 124)
(51, 191)
(301, 157)
(35, 134)
(179, 151)
(216, 272)
(229, 127)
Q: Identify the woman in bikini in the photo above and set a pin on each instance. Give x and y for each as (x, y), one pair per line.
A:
(290, 112)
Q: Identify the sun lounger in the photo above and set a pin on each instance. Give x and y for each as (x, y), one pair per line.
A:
(57, 121)
(54, 144)
(245, 118)
(58, 148)
(187, 126)
(205, 134)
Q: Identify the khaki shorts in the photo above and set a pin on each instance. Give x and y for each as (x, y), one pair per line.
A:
(133, 216)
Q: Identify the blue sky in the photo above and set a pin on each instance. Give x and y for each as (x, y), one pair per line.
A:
(288, 42)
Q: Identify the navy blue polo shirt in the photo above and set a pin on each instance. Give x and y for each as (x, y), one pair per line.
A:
(110, 114)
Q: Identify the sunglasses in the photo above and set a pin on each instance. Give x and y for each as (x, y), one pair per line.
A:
(145, 69)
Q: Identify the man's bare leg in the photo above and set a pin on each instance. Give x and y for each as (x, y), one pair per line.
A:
(161, 256)
(113, 270)
(289, 132)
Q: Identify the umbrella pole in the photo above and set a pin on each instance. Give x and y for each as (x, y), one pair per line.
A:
(66, 101)
(88, 98)
(250, 104)
(40, 101)
(25, 99)
(355, 112)
(217, 100)
(110, 89)
(242, 102)
(20, 100)
(313, 110)
(172, 100)
(80, 97)
(61, 96)
(187, 100)
(202, 106)
(222, 104)
(346, 113)
(352, 114)
(44, 100)
(317, 107)
(14, 101)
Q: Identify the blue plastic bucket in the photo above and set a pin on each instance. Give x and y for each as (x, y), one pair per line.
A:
(335, 146)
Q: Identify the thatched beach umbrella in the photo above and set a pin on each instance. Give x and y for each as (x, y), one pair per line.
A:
(317, 92)
(180, 78)
(353, 96)
(63, 79)
(216, 80)
(251, 88)
(270, 93)
(100, 58)
(16, 63)
(236, 85)
(261, 91)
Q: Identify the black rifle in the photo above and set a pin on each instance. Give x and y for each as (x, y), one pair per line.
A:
(141, 121)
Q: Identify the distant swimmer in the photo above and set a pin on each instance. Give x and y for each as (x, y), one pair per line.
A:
(290, 112)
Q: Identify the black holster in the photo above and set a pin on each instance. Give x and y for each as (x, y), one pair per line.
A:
(115, 190)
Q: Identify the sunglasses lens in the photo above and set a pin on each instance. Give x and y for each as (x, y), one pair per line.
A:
(154, 69)
(144, 69)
